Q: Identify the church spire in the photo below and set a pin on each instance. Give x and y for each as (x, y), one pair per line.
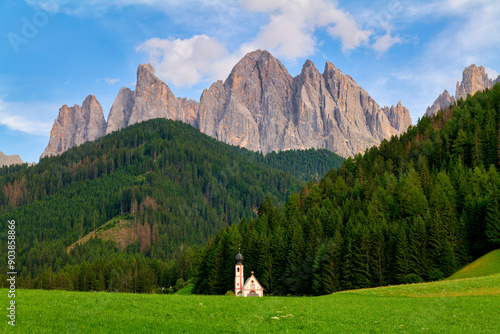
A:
(239, 257)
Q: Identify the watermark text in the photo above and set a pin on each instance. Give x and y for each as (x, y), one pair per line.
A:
(11, 265)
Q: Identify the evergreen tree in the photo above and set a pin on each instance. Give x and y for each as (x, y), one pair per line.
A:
(403, 259)
(493, 218)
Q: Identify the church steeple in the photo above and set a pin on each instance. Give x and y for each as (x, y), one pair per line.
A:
(239, 257)
(238, 271)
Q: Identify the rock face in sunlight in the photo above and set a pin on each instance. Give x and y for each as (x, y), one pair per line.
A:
(474, 79)
(121, 110)
(8, 160)
(152, 98)
(259, 107)
(75, 126)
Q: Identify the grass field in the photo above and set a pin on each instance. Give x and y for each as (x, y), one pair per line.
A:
(488, 264)
(460, 306)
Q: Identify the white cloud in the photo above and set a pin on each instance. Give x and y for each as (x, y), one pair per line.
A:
(110, 81)
(24, 117)
(470, 34)
(185, 62)
(288, 29)
(472, 37)
(289, 34)
(292, 24)
(383, 43)
(492, 74)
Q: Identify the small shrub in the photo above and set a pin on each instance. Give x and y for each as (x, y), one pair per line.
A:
(230, 293)
(180, 284)
(436, 275)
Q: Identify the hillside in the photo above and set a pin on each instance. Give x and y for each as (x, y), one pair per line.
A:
(157, 188)
(441, 307)
(486, 265)
(416, 208)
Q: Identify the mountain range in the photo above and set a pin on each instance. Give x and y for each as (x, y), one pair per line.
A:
(7, 160)
(260, 106)
(474, 79)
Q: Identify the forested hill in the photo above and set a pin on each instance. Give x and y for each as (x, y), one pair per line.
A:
(310, 164)
(156, 187)
(416, 208)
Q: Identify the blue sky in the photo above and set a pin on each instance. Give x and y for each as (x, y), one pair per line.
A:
(55, 52)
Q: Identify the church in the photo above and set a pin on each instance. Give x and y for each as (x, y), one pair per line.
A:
(251, 287)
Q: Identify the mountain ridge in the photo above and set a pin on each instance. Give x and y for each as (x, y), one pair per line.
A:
(8, 160)
(474, 79)
(260, 106)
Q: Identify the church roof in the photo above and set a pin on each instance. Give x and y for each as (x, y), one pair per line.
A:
(256, 281)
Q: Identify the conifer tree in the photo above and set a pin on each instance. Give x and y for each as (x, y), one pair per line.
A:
(493, 218)
(418, 247)
(403, 264)
(348, 276)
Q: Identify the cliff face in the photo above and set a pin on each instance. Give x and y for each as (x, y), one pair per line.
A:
(249, 109)
(474, 79)
(443, 101)
(259, 107)
(120, 112)
(7, 160)
(75, 126)
(151, 99)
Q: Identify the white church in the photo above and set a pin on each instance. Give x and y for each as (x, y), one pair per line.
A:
(251, 287)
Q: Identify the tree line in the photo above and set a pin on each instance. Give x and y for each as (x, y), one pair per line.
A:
(416, 208)
(177, 186)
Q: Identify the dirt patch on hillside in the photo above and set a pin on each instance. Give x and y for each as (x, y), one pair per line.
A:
(124, 233)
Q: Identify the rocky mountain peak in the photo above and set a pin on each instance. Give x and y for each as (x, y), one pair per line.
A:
(259, 107)
(257, 66)
(399, 117)
(308, 64)
(146, 75)
(8, 160)
(120, 112)
(75, 126)
(474, 79)
(153, 98)
(442, 102)
(309, 71)
(329, 67)
(145, 70)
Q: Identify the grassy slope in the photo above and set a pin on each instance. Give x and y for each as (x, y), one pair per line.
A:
(186, 291)
(444, 307)
(488, 264)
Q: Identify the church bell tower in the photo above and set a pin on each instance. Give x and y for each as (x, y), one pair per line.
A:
(238, 278)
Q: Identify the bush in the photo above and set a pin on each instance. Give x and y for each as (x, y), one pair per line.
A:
(230, 293)
(412, 278)
(180, 284)
(436, 275)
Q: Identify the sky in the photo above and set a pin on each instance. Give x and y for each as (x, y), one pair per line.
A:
(56, 52)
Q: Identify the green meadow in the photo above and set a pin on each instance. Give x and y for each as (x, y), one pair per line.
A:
(460, 306)
(488, 264)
